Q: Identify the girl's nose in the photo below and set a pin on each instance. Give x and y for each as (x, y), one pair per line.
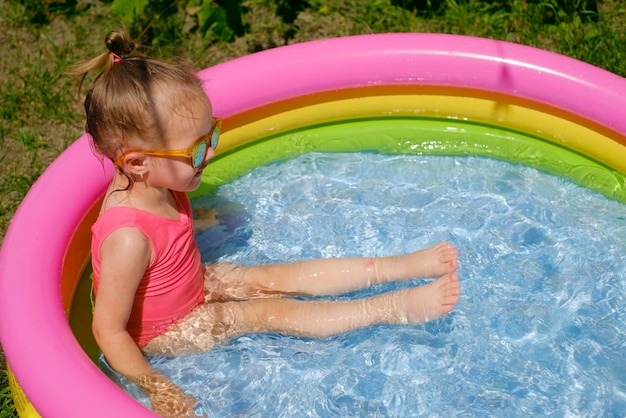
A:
(210, 153)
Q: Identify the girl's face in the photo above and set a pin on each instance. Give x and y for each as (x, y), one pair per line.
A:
(182, 132)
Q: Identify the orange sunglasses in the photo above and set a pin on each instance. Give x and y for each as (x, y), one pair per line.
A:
(196, 153)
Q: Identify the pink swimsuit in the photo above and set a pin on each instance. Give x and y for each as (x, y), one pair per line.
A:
(173, 282)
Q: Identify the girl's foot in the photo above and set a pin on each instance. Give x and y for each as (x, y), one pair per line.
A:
(435, 261)
(430, 301)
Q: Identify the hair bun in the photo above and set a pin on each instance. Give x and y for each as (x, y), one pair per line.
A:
(119, 43)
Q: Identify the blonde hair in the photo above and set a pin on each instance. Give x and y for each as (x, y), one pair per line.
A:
(132, 95)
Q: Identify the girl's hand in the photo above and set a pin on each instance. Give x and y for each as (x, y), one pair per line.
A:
(167, 399)
(204, 219)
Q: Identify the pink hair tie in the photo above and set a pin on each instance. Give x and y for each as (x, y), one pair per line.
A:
(116, 58)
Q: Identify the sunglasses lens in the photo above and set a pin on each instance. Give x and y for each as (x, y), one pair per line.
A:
(215, 137)
(199, 152)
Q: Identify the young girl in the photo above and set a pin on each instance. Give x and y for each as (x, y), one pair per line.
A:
(153, 295)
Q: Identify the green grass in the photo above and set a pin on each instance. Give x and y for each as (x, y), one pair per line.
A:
(7, 409)
(41, 114)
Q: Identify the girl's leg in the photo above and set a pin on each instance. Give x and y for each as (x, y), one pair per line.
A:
(324, 318)
(216, 322)
(331, 276)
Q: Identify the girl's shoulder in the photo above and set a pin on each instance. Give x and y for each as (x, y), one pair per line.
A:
(120, 217)
(154, 226)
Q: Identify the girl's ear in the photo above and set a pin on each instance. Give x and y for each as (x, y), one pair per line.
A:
(134, 163)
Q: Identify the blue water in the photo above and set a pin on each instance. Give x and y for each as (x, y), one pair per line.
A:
(540, 329)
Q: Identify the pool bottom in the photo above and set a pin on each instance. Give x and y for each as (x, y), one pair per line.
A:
(539, 329)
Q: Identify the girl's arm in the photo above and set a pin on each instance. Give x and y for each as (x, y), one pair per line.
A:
(125, 255)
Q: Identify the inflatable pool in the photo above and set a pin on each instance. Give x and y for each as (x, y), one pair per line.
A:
(397, 93)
